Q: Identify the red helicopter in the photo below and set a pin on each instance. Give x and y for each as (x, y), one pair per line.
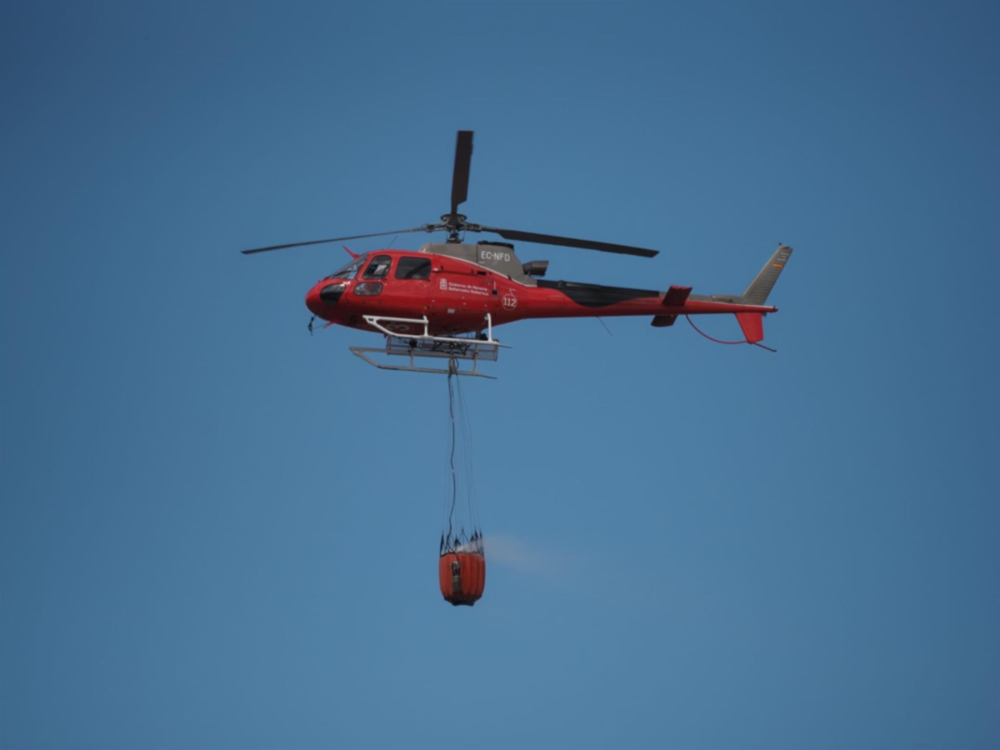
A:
(444, 300)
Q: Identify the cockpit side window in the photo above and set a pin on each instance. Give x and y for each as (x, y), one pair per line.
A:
(350, 270)
(378, 268)
(413, 268)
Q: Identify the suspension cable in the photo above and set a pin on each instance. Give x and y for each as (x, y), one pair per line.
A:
(468, 456)
(451, 459)
(719, 341)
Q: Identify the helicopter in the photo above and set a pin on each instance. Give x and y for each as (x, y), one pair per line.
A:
(443, 301)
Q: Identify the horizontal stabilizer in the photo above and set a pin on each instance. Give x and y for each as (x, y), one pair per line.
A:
(676, 296)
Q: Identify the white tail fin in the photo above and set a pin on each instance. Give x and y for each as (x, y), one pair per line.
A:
(760, 287)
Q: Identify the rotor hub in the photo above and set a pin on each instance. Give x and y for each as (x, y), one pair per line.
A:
(454, 220)
(453, 223)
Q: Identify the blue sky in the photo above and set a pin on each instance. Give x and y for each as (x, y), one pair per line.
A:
(218, 532)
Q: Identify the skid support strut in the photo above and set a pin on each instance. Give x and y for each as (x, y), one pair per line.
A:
(413, 346)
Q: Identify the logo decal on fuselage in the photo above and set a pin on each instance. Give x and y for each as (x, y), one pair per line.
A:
(509, 301)
(398, 327)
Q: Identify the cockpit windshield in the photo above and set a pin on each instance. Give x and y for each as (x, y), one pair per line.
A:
(350, 270)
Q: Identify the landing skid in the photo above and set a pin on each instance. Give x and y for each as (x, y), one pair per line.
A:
(453, 349)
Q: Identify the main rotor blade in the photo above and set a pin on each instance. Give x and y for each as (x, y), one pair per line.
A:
(460, 179)
(551, 239)
(425, 228)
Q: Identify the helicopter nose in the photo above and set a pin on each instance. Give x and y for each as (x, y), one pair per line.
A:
(323, 297)
(313, 302)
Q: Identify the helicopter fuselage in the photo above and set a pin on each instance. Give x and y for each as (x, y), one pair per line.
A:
(431, 299)
(454, 286)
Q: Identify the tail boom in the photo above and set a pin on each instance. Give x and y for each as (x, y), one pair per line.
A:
(566, 299)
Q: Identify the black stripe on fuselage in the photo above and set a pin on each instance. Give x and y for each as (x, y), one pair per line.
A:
(595, 295)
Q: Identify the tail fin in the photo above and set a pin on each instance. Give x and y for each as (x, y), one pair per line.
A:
(752, 325)
(760, 287)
